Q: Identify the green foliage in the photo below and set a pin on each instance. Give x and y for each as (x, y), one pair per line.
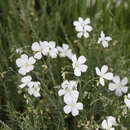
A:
(23, 22)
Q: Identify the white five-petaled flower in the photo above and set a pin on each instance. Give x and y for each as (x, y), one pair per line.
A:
(52, 49)
(108, 123)
(78, 65)
(68, 88)
(65, 51)
(119, 86)
(127, 101)
(25, 81)
(104, 74)
(104, 40)
(72, 105)
(25, 64)
(34, 89)
(82, 27)
(40, 49)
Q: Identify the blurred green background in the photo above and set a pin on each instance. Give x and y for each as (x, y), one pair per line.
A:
(23, 22)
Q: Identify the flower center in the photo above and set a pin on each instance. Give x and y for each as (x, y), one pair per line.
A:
(82, 24)
(68, 90)
(72, 105)
(26, 65)
(35, 89)
(76, 65)
(108, 129)
(119, 85)
(102, 75)
(41, 50)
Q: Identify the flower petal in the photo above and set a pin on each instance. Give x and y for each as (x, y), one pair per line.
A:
(108, 76)
(68, 99)
(75, 111)
(112, 86)
(59, 49)
(76, 23)
(80, 34)
(127, 102)
(105, 44)
(22, 85)
(124, 89)
(79, 28)
(61, 92)
(87, 21)
(65, 46)
(74, 58)
(73, 84)
(116, 79)
(80, 19)
(88, 28)
(30, 84)
(102, 34)
(111, 121)
(86, 35)
(79, 106)
(35, 46)
(101, 81)
(104, 124)
(19, 62)
(71, 97)
(29, 68)
(36, 94)
(118, 92)
(83, 68)
(112, 128)
(30, 90)
(31, 60)
(38, 55)
(129, 95)
(108, 39)
(24, 57)
(26, 79)
(77, 72)
(98, 71)
(124, 81)
(67, 109)
(81, 60)
(75, 95)
(99, 40)
(104, 69)
(65, 84)
(22, 71)
(52, 44)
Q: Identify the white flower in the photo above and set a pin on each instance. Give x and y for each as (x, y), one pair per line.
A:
(127, 101)
(40, 48)
(108, 123)
(82, 27)
(104, 40)
(104, 74)
(34, 89)
(64, 51)
(25, 64)
(119, 86)
(68, 88)
(72, 105)
(19, 51)
(25, 81)
(78, 65)
(52, 49)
